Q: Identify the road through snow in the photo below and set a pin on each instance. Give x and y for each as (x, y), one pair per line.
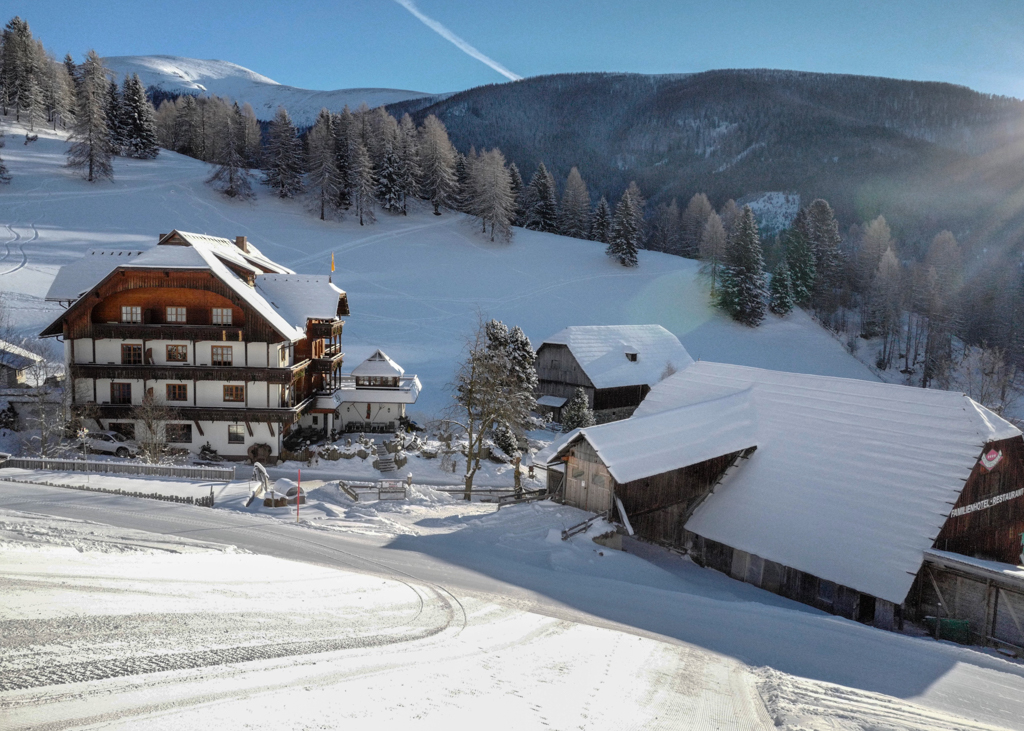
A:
(537, 633)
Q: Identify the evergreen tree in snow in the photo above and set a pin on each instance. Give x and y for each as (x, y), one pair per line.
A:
(437, 164)
(743, 290)
(505, 439)
(72, 68)
(601, 222)
(490, 194)
(408, 168)
(90, 151)
(389, 191)
(232, 177)
(5, 177)
(822, 231)
(780, 290)
(322, 181)
(800, 258)
(540, 208)
(115, 118)
(577, 414)
(460, 199)
(627, 232)
(186, 127)
(516, 184)
(361, 181)
(344, 129)
(282, 165)
(665, 229)
(574, 212)
(516, 359)
(21, 60)
(138, 121)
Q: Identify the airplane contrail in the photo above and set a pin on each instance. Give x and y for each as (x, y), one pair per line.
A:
(442, 31)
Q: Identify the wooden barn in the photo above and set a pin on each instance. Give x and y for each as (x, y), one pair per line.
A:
(842, 494)
(15, 363)
(615, 364)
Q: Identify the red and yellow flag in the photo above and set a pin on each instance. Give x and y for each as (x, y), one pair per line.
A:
(332, 261)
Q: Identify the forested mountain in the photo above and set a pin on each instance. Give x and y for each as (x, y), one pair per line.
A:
(926, 155)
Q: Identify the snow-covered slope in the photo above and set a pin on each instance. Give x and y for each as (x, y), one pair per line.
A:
(415, 283)
(221, 78)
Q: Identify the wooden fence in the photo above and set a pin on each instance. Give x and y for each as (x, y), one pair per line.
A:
(225, 474)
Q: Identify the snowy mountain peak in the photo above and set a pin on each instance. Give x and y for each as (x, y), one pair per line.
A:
(179, 75)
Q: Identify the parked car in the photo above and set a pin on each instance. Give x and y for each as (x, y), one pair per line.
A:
(109, 442)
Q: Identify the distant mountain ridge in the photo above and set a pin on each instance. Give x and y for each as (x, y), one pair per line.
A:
(179, 75)
(928, 155)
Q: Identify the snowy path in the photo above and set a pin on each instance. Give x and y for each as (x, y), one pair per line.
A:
(552, 633)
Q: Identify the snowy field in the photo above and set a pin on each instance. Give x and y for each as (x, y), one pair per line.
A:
(415, 283)
(431, 614)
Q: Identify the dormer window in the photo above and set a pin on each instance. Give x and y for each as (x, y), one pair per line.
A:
(631, 357)
(131, 314)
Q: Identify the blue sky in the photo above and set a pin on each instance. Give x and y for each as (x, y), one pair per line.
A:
(379, 43)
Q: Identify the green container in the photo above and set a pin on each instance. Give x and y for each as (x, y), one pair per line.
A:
(955, 630)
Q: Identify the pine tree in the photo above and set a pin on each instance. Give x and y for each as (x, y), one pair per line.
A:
(72, 68)
(232, 177)
(800, 258)
(780, 291)
(437, 164)
(574, 212)
(115, 119)
(322, 182)
(460, 198)
(516, 184)
(5, 177)
(389, 190)
(138, 121)
(490, 194)
(743, 290)
(282, 169)
(822, 232)
(601, 222)
(20, 65)
(541, 210)
(361, 181)
(577, 414)
(627, 232)
(713, 246)
(408, 169)
(90, 151)
(692, 223)
(344, 129)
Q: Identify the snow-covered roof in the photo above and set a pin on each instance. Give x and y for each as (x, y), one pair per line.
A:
(298, 297)
(379, 364)
(74, 280)
(978, 566)
(408, 391)
(556, 402)
(665, 441)
(16, 357)
(601, 352)
(852, 480)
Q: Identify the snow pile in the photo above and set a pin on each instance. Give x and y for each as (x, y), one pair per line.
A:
(178, 75)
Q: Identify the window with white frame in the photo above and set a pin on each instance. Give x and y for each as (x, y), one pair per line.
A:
(131, 314)
(176, 314)
(221, 315)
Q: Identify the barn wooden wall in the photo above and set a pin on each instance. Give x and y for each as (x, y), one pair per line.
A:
(559, 374)
(993, 532)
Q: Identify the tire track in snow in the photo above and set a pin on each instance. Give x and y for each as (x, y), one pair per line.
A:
(21, 248)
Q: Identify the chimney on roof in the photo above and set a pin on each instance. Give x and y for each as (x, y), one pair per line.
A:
(242, 243)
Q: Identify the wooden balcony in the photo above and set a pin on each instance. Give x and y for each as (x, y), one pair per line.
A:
(317, 330)
(140, 331)
(332, 360)
(283, 415)
(189, 372)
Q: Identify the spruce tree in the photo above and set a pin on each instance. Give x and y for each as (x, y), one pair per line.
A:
(541, 210)
(437, 164)
(516, 184)
(490, 194)
(186, 127)
(577, 414)
(627, 232)
(232, 176)
(21, 61)
(574, 211)
(800, 258)
(282, 167)
(138, 121)
(408, 169)
(389, 190)
(822, 232)
(90, 151)
(780, 290)
(344, 128)
(460, 198)
(361, 181)
(322, 182)
(743, 290)
(713, 245)
(601, 222)
(115, 119)
(5, 177)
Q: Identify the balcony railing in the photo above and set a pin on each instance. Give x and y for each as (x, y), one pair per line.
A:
(119, 330)
(331, 361)
(317, 330)
(283, 415)
(189, 372)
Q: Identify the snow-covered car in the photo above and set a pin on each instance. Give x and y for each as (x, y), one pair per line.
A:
(109, 442)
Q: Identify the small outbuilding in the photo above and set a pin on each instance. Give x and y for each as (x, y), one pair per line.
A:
(616, 365)
(374, 396)
(15, 362)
